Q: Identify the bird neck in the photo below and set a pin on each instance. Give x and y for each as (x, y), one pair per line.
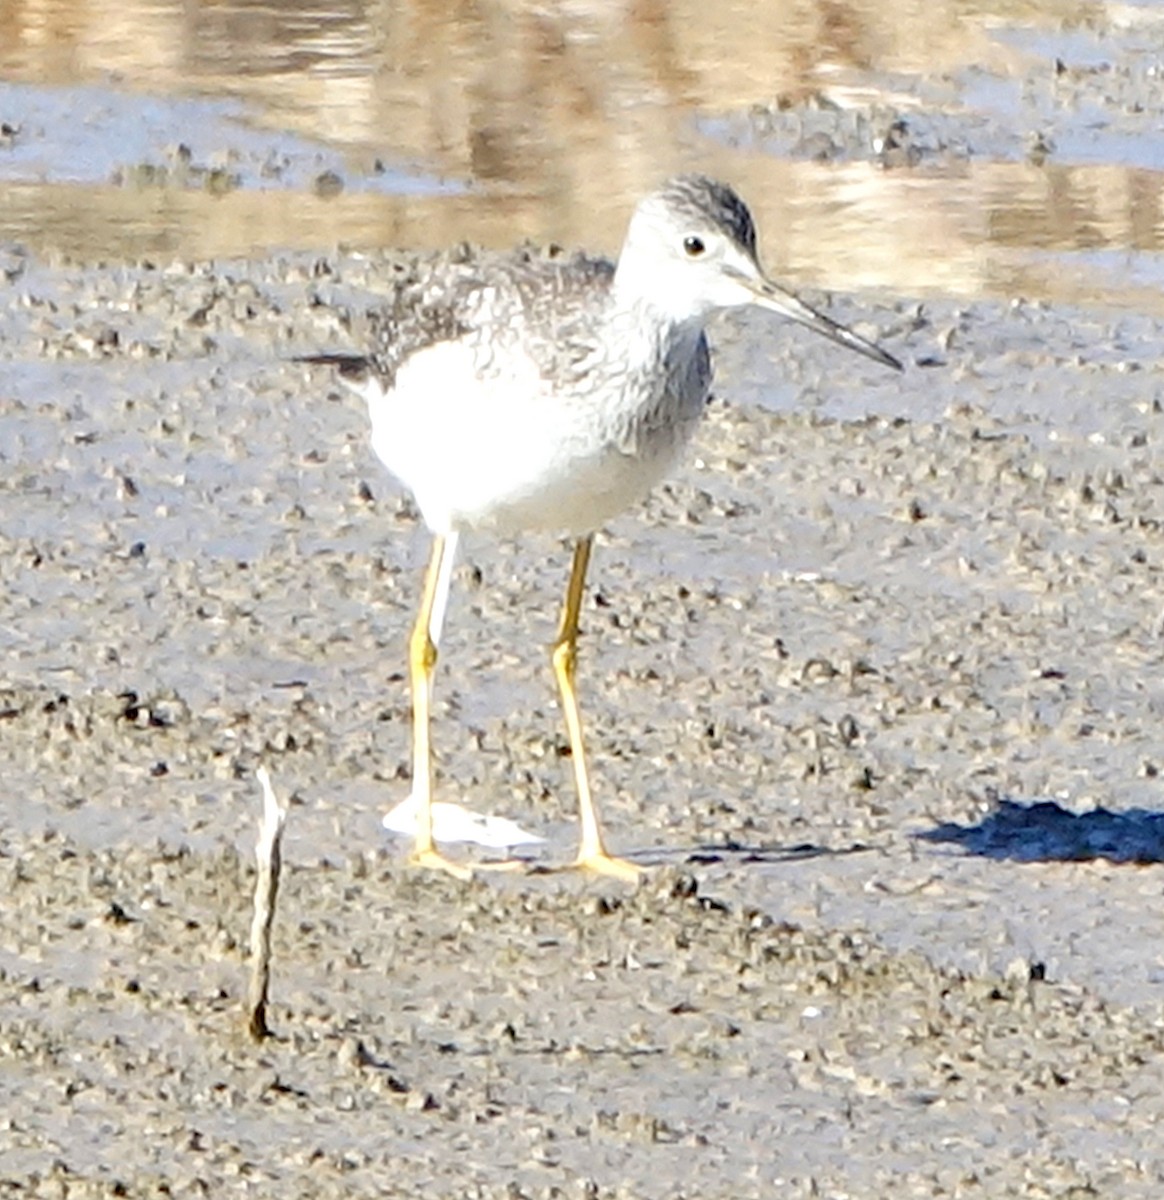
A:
(648, 337)
(649, 310)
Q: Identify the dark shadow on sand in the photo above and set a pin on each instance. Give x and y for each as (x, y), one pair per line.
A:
(741, 852)
(1044, 831)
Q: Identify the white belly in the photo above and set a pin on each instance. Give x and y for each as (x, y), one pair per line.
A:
(503, 453)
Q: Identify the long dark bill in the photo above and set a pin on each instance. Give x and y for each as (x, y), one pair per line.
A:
(769, 295)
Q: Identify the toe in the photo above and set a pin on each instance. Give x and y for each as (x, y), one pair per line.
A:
(433, 860)
(606, 864)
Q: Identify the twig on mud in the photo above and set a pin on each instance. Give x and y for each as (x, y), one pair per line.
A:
(268, 852)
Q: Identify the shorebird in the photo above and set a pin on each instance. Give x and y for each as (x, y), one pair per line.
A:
(526, 393)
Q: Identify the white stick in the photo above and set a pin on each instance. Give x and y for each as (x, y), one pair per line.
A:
(268, 853)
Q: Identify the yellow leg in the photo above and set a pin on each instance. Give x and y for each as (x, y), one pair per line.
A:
(422, 659)
(592, 853)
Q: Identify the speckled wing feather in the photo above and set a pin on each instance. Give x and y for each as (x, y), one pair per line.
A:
(545, 304)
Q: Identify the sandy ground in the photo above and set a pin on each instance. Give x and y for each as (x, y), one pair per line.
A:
(872, 686)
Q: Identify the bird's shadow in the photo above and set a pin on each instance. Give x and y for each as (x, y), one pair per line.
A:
(742, 853)
(1044, 831)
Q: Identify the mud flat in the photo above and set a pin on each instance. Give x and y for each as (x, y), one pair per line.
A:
(873, 685)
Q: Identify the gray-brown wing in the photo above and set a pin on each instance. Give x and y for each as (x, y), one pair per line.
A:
(547, 305)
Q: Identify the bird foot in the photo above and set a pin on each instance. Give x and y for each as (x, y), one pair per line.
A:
(504, 864)
(602, 863)
(435, 861)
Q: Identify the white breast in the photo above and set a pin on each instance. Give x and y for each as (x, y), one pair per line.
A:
(489, 446)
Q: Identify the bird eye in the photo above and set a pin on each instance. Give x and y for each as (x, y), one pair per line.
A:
(693, 246)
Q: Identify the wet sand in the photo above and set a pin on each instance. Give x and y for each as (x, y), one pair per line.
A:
(857, 681)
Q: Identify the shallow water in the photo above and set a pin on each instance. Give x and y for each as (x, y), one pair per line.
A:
(959, 149)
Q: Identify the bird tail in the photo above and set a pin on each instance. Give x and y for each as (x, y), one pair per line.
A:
(350, 366)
